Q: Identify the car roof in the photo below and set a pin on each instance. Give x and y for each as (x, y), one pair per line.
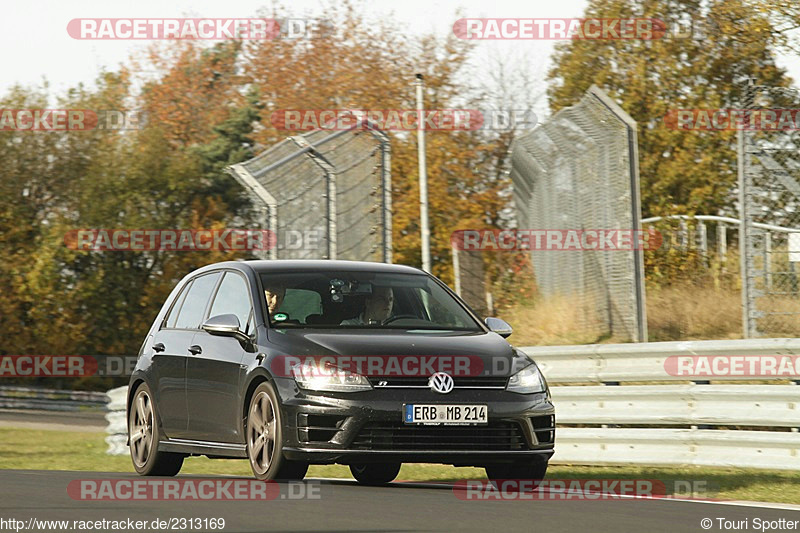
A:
(311, 265)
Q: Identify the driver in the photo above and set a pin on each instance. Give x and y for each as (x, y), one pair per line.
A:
(274, 294)
(377, 308)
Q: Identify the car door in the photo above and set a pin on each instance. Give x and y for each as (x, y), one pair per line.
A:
(170, 348)
(215, 373)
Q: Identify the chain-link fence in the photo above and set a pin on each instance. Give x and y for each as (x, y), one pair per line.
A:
(579, 171)
(325, 194)
(769, 197)
(470, 279)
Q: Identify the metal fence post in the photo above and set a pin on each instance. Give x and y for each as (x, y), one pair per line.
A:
(456, 268)
(330, 201)
(768, 260)
(702, 235)
(268, 202)
(744, 237)
(386, 180)
(683, 234)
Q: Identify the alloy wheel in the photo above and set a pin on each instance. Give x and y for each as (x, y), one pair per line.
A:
(261, 432)
(142, 428)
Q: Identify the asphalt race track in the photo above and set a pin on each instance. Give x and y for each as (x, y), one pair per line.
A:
(346, 506)
(53, 420)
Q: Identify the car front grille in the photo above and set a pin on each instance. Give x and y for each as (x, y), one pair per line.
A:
(497, 436)
(422, 382)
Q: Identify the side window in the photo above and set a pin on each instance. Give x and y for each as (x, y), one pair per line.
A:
(232, 298)
(194, 305)
(172, 316)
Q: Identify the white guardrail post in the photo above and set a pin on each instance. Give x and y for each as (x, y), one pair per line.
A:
(117, 425)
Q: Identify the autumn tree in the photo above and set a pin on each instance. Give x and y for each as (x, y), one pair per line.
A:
(733, 40)
(208, 107)
(165, 175)
(367, 64)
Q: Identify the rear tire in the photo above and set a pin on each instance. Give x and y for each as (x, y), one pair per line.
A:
(375, 473)
(264, 433)
(144, 434)
(535, 470)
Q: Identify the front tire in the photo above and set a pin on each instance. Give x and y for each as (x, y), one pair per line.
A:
(265, 438)
(144, 434)
(375, 473)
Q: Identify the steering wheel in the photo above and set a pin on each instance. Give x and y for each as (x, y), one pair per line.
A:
(397, 317)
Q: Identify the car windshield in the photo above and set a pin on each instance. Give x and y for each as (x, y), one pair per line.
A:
(355, 300)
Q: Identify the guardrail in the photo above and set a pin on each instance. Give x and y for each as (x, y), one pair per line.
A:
(687, 423)
(643, 362)
(51, 399)
(693, 423)
(677, 447)
(776, 406)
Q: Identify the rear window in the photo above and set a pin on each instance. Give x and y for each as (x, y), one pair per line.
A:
(194, 306)
(176, 307)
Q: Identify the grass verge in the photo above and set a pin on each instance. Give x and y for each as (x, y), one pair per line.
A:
(55, 450)
(687, 311)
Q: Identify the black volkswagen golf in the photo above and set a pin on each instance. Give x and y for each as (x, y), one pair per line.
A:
(291, 363)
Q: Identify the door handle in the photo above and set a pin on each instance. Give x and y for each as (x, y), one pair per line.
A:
(159, 347)
(195, 349)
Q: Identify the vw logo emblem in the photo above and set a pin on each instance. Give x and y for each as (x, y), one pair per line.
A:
(441, 382)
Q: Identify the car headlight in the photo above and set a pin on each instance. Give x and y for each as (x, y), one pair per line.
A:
(527, 381)
(328, 378)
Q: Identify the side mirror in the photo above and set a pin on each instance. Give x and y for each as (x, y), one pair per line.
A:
(224, 326)
(499, 326)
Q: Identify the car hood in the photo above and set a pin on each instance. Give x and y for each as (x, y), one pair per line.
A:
(497, 356)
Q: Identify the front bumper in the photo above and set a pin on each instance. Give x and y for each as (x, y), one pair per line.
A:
(325, 428)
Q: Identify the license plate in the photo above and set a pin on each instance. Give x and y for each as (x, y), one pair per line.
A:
(449, 415)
